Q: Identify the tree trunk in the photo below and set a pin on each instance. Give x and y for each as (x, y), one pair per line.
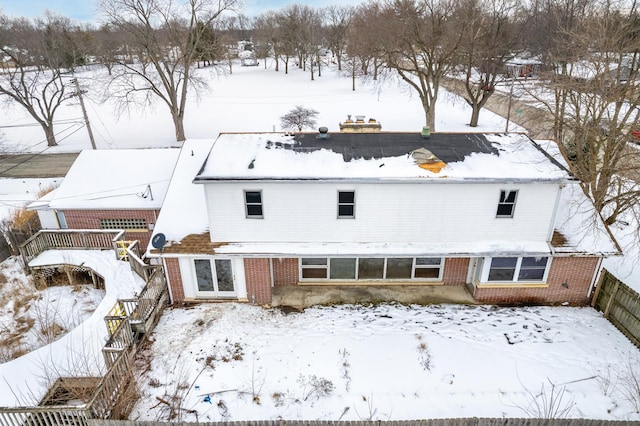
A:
(51, 136)
(353, 78)
(178, 123)
(475, 114)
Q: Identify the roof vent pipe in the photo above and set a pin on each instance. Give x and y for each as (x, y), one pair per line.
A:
(323, 132)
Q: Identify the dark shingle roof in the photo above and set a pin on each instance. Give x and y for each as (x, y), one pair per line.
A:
(448, 147)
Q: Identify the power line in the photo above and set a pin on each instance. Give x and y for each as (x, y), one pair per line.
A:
(68, 121)
(38, 153)
(41, 142)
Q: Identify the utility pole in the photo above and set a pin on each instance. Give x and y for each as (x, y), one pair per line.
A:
(84, 111)
(506, 127)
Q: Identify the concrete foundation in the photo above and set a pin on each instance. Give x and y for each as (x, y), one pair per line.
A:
(301, 296)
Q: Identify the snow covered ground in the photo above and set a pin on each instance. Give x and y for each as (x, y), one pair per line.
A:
(232, 362)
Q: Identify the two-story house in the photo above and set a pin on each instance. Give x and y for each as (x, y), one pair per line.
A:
(254, 214)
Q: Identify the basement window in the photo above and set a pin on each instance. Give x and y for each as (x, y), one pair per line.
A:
(371, 268)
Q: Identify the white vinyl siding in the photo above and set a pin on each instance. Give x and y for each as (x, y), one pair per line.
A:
(386, 212)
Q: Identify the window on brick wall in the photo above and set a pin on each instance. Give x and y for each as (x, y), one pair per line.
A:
(214, 278)
(126, 224)
(517, 269)
(371, 268)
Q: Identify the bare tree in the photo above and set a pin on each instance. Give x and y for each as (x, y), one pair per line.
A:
(35, 81)
(337, 21)
(166, 36)
(299, 118)
(268, 34)
(421, 40)
(109, 47)
(596, 104)
(490, 40)
(365, 45)
(289, 25)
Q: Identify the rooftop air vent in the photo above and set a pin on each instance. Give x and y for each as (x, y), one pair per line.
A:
(323, 132)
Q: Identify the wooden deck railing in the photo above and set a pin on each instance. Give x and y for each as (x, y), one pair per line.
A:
(128, 318)
(69, 239)
(40, 416)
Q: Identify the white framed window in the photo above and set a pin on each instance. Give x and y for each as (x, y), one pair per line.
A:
(126, 224)
(314, 267)
(214, 277)
(253, 204)
(516, 269)
(346, 204)
(371, 268)
(507, 203)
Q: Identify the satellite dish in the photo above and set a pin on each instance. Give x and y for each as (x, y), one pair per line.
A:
(158, 240)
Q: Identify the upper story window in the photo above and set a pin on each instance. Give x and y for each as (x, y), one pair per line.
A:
(514, 269)
(126, 224)
(253, 204)
(346, 204)
(507, 203)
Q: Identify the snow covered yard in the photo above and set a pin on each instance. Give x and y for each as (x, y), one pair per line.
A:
(26, 379)
(219, 362)
(32, 316)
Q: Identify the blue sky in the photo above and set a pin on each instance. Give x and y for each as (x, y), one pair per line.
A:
(85, 10)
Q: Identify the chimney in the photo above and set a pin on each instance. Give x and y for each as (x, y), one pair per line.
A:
(360, 125)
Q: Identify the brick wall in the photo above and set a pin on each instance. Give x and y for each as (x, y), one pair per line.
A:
(455, 271)
(90, 219)
(569, 280)
(285, 271)
(258, 278)
(175, 280)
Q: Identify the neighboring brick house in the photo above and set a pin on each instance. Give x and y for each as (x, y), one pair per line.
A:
(111, 189)
(493, 213)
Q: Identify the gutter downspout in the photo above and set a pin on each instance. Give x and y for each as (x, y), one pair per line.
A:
(166, 275)
(596, 276)
(555, 212)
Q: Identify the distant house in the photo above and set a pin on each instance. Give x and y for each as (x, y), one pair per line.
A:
(252, 215)
(523, 67)
(111, 189)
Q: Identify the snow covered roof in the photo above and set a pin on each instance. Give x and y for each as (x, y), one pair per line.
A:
(184, 219)
(116, 179)
(42, 203)
(184, 211)
(378, 156)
